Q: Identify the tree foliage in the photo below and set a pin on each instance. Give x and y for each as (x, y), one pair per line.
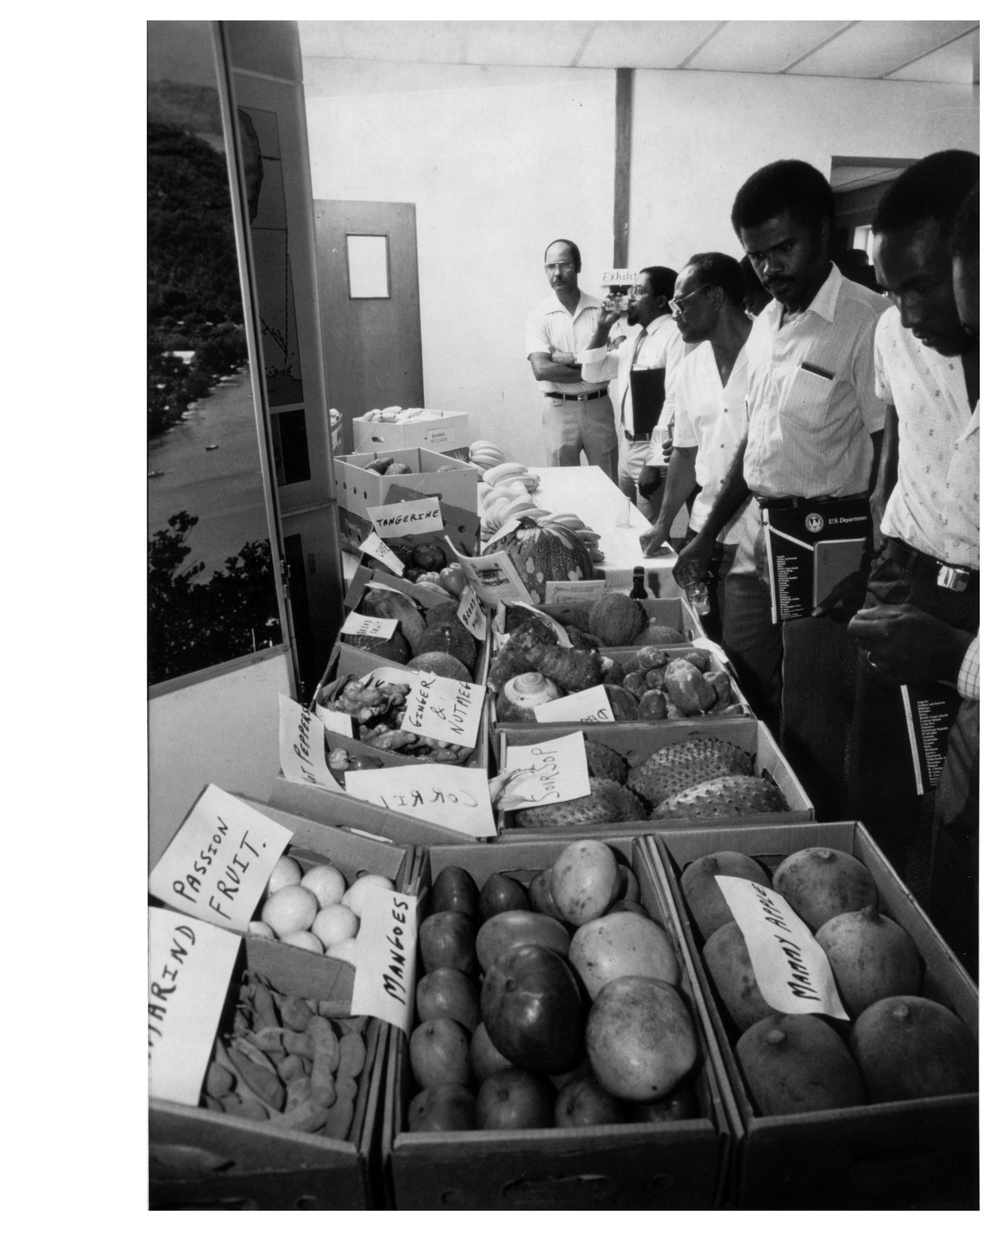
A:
(193, 625)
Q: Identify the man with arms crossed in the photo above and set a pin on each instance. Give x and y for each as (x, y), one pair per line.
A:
(710, 422)
(814, 434)
(644, 366)
(576, 415)
(924, 586)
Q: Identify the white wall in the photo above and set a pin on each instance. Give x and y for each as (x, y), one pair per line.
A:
(698, 136)
(222, 730)
(498, 163)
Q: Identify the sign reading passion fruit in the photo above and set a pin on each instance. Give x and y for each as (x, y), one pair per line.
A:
(218, 864)
(792, 970)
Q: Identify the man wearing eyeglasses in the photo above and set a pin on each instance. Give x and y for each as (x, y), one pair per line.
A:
(577, 415)
(644, 366)
(814, 434)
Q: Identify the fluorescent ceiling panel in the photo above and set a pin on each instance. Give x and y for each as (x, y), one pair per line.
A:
(762, 47)
(644, 45)
(874, 49)
(958, 62)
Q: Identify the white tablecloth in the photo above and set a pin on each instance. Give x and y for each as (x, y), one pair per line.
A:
(592, 496)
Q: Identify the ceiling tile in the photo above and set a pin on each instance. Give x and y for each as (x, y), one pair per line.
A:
(958, 62)
(762, 47)
(644, 45)
(524, 43)
(874, 49)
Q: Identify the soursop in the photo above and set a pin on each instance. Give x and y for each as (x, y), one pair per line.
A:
(723, 797)
(684, 764)
(607, 804)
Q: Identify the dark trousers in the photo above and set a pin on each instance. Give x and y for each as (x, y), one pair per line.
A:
(880, 765)
(954, 893)
(718, 570)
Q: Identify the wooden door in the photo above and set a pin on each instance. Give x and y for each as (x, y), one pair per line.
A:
(371, 341)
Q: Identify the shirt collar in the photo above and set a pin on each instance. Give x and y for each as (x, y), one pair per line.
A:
(824, 302)
(553, 304)
(659, 322)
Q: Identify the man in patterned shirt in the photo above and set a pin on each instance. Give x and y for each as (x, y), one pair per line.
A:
(927, 368)
(908, 644)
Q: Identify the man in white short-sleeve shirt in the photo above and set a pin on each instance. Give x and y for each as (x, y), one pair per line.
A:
(576, 416)
(927, 365)
(814, 433)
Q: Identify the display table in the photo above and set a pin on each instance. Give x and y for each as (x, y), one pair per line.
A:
(590, 494)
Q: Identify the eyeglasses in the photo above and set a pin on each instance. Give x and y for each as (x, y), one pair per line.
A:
(565, 266)
(677, 306)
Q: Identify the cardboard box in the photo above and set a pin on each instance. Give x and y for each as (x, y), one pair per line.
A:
(675, 1165)
(677, 613)
(436, 430)
(911, 1154)
(638, 741)
(354, 662)
(358, 489)
(459, 527)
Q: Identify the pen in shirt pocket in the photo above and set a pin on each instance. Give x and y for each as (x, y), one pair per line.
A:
(818, 370)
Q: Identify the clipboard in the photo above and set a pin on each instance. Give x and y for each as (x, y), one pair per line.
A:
(810, 548)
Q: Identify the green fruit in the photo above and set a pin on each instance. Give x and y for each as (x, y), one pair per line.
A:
(728, 962)
(518, 928)
(533, 1009)
(911, 1047)
(501, 893)
(819, 883)
(706, 901)
(794, 1064)
(640, 1039)
(455, 889)
(871, 956)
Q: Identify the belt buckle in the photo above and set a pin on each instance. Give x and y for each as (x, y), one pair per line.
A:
(952, 579)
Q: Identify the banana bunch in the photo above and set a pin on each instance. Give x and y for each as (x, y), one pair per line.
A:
(506, 493)
(485, 455)
(391, 416)
(572, 523)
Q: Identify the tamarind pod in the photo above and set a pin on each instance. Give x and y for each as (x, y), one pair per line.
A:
(352, 1055)
(294, 1012)
(232, 1104)
(307, 1117)
(265, 1084)
(325, 1048)
(219, 1080)
(263, 1005)
(297, 1091)
(290, 1068)
(246, 1048)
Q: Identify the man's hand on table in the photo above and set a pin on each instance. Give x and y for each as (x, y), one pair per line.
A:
(902, 643)
(654, 539)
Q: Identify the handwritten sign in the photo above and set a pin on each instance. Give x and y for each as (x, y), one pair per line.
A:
(584, 705)
(508, 527)
(545, 772)
(302, 746)
(443, 708)
(443, 794)
(378, 550)
(386, 958)
(336, 722)
(792, 970)
(369, 626)
(412, 516)
(574, 594)
(190, 968)
(494, 577)
(620, 277)
(217, 865)
(471, 614)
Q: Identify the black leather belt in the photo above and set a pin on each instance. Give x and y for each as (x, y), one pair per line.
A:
(631, 438)
(576, 398)
(799, 501)
(948, 576)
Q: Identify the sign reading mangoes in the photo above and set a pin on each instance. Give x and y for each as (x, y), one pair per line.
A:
(444, 709)
(585, 705)
(792, 970)
(443, 794)
(545, 772)
(218, 864)
(412, 516)
(386, 965)
(190, 968)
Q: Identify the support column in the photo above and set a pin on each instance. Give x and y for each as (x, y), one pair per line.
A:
(623, 163)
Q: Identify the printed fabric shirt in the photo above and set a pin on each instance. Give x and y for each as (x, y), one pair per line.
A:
(661, 347)
(968, 674)
(811, 400)
(935, 504)
(712, 418)
(550, 326)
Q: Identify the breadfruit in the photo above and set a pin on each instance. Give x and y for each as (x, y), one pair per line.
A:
(675, 768)
(607, 804)
(794, 1063)
(728, 962)
(441, 663)
(394, 648)
(454, 639)
(707, 902)
(660, 636)
(819, 883)
(723, 797)
(617, 620)
(911, 1047)
(602, 761)
(871, 956)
